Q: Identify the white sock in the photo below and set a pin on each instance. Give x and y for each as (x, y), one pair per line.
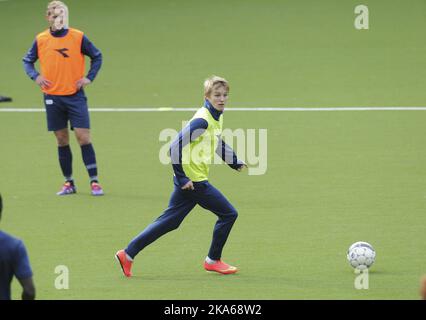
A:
(210, 261)
(129, 257)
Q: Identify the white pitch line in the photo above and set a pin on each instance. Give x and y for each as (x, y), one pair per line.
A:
(229, 109)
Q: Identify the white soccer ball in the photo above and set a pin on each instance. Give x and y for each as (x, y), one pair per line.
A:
(361, 255)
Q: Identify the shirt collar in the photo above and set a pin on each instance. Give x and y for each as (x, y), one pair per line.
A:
(215, 113)
(59, 33)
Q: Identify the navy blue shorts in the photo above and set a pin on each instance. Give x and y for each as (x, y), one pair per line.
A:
(61, 109)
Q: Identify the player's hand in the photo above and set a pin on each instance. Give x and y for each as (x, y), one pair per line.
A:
(82, 83)
(43, 82)
(188, 186)
(242, 167)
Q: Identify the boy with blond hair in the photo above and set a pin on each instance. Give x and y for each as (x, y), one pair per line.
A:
(191, 185)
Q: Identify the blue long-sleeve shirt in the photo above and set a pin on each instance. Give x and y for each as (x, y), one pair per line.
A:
(191, 132)
(87, 48)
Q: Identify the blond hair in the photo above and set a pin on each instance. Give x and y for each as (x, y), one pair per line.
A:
(212, 82)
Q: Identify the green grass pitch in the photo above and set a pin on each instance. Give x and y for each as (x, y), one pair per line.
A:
(333, 178)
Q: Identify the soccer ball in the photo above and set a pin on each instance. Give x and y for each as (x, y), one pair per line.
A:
(361, 255)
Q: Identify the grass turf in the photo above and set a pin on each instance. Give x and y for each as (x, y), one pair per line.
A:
(332, 179)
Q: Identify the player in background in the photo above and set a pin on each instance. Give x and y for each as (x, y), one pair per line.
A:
(191, 185)
(60, 51)
(14, 262)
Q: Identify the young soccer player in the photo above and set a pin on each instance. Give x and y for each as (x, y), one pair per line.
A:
(14, 262)
(61, 52)
(191, 185)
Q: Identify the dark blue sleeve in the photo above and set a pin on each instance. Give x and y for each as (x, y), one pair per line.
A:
(30, 58)
(191, 132)
(228, 155)
(88, 49)
(21, 268)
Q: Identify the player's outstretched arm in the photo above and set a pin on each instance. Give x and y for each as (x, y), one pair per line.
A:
(229, 156)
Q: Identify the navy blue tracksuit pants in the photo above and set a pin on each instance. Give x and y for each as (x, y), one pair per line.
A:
(180, 204)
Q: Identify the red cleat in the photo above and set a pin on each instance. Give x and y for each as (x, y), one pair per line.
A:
(220, 267)
(125, 264)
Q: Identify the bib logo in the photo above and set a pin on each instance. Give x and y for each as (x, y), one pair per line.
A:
(63, 52)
